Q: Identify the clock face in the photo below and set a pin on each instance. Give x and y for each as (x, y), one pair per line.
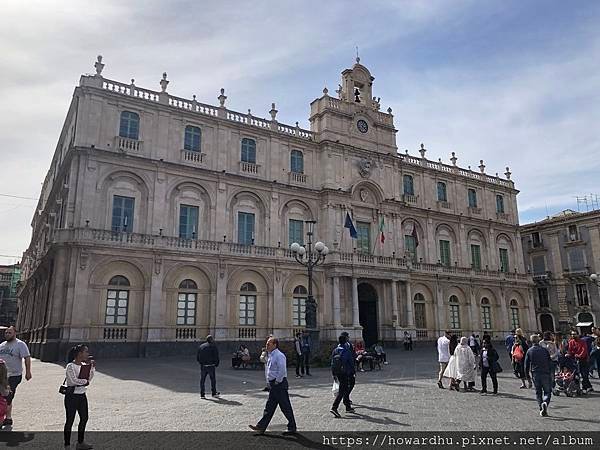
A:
(362, 126)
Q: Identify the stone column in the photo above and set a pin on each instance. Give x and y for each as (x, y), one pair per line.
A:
(473, 311)
(337, 321)
(355, 321)
(395, 317)
(442, 325)
(220, 311)
(532, 319)
(503, 312)
(410, 317)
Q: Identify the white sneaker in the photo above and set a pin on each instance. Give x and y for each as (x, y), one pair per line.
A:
(544, 411)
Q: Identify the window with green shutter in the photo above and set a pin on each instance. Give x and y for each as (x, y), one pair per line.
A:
(504, 260)
(363, 230)
(445, 252)
(188, 222)
(476, 257)
(296, 231)
(472, 198)
(245, 228)
(410, 246)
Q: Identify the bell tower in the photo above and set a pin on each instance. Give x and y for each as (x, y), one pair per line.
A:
(354, 116)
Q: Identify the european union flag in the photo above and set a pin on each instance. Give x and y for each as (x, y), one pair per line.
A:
(348, 224)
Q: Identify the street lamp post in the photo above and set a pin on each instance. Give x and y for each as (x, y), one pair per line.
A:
(310, 258)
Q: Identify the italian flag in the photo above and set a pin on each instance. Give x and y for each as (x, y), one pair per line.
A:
(381, 228)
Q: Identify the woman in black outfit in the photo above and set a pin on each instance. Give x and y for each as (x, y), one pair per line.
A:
(489, 365)
(78, 377)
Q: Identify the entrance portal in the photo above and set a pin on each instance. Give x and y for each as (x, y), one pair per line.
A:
(546, 322)
(367, 313)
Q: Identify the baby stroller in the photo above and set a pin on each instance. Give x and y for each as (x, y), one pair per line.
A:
(568, 379)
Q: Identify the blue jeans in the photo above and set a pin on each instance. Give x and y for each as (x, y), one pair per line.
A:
(543, 387)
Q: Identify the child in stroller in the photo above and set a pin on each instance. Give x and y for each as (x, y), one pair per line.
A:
(567, 379)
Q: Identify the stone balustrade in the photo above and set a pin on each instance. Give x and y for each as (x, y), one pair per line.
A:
(118, 239)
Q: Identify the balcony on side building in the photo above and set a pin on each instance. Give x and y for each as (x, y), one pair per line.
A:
(195, 158)
(127, 145)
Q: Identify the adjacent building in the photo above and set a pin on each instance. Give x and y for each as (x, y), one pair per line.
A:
(561, 253)
(163, 219)
(9, 279)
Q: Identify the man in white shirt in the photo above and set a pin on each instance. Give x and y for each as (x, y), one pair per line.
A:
(278, 394)
(443, 347)
(13, 351)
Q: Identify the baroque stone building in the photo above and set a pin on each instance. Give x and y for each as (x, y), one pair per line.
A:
(162, 219)
(9, 278)
(562, 252)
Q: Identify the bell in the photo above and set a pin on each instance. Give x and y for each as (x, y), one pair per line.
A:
(356, 95)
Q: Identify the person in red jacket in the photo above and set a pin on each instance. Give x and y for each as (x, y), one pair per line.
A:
(578, 349)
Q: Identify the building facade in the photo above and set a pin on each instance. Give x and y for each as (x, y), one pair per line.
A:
(10, 275)
(163, 219)
(561, 253)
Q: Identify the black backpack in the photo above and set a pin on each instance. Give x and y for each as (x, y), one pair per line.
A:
(337, 364)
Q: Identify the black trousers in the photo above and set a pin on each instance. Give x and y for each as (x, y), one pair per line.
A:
(299, 364)
(210, 371)
(278, 396)
(75, 403)
(484, 374)
(306, 356)
(344, 392)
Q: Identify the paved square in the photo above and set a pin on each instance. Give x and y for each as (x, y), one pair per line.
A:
(162, 394)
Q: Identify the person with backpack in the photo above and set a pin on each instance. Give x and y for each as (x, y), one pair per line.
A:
(519, 349)
(343, 371)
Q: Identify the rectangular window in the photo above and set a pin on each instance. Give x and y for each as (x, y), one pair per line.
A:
(188, 222)
(186, 309)
(116, 307)
(363, 244)
(539, 265)
(486, 317)
(420, 321)
(500, 204)
(454, 321)
(192, 139)
(410, 246)
(503, 260)
(476, 257)
(582, 295)
(122, 213)
(536, 239)
(296, 232)
(514, 318)
(543, 297)
(409, 186)
(299, 311)
(247, 309)
(441, 192)
(245, 228)
(576, 259)
(445, 253)
(472, 198)
(573, 233)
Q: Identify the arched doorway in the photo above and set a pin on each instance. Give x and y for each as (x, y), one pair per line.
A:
(367, 313)
(546, 322)
(585, 321)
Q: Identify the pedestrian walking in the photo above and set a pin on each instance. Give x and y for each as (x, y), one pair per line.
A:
(465, 366)
(443, 348)
(408, 342)
(548, 344)
(208, 358)
(78, 375)
(489, 365)
(299, 355)
(474, 344)
(344, 372)
(538, 362)
(595, 357)
(306, 350)
(578, 349)
(4, 388)
(509, 341)
(519, 350)
(14, 352)
(278, 393)
(350, 347)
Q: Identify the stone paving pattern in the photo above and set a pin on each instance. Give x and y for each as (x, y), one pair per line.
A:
(163, 394)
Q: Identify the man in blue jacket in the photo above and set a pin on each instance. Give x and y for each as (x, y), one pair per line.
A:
(537, 359)
(342, 368)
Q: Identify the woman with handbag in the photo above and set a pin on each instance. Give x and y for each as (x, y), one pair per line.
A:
(79, 373)
(489, 365)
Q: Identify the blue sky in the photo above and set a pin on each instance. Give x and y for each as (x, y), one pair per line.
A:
(513, 83)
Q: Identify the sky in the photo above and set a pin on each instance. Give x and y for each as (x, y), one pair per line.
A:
(513, 83)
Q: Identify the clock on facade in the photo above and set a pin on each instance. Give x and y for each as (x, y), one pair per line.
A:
(362, 126)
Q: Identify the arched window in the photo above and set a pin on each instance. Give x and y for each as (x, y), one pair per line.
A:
(486, 314)
(186, 302)
(248, 304)
(500, 204)
(419, 311)
(546, 322)
(130, 125)
(297, 161)
(454, 313)
(442, 196)
(299, 306)
(514, 314)
(193, 139)
(249, 150)
(408, 185)
(117, 301)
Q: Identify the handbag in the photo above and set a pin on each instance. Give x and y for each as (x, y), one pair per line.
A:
(335, 388)
(497, 367)
(66, 390)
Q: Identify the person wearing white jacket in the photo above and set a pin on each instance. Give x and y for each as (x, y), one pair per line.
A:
(76, 401)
